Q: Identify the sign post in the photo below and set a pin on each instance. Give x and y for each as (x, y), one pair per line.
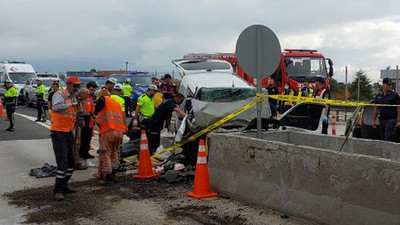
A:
(258, 51)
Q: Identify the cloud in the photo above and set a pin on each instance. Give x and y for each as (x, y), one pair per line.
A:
(80, 35)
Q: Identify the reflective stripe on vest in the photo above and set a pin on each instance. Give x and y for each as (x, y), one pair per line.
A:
(63, 121)
(111, 116)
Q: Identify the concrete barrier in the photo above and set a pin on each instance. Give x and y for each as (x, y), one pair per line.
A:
(328, 186)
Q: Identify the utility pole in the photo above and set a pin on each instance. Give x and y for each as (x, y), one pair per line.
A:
(397, 78)
(345, 82)
(126, 67)
(358, 92)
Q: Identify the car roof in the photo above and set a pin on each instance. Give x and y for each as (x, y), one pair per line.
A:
(194, 66)
(216, 80)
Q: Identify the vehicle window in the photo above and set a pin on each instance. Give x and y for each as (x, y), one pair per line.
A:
(142, 81)
(305, 116)
(21, 78)
(225, 94)
(305, 68)
(205, 65)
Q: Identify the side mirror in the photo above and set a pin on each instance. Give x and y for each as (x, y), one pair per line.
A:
(35, 86)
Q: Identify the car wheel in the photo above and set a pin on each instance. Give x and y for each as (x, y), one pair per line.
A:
(28, 101)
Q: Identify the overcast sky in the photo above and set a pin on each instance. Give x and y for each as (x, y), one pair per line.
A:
(67, 35)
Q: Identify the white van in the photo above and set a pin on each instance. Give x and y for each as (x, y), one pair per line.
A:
(18, 72)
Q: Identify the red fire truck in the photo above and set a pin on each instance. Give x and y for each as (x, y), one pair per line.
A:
(297, 66)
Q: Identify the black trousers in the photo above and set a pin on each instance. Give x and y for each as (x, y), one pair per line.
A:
(63, 146)
(40, 109)
(128, 106)
(10, 110)
(325, 128)
(86, 138)
(154, 135)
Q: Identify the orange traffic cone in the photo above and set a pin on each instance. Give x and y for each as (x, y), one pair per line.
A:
(201, 187)
(333, 125)
(1, 109)
(145, 168)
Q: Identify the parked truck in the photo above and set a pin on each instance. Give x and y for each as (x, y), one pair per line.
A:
(297, 67)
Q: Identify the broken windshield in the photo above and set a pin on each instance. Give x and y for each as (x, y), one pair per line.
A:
(305, 68)
(225, 94)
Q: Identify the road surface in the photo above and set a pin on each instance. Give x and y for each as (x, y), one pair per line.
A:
(27, 199)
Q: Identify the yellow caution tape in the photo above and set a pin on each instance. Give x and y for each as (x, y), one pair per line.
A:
(323, 101)
(211, 127)
(250, 105)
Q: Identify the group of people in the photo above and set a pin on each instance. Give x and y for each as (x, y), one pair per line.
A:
(74, 105)
(306, 90)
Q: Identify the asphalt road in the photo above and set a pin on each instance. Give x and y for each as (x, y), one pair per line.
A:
(25, 129)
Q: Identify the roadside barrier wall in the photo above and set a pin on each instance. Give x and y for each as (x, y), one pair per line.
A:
(325, 185)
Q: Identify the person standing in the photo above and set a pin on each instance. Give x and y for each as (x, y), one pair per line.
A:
(117, 96)
(168, 88)
(389, 118)
(54, 88)
(111, 120)
(158, 97)
(108, 87)
(87, 129)
(40, 100)
(272, 90)
(127, 90)
(161, 115)
(145, 108)
(322, 92)
(285, 105)
(62, 124)
(10, 100)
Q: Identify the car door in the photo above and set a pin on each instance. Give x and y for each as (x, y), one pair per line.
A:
(32, 90)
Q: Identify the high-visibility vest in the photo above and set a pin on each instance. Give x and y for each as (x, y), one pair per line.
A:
(127, 90)
(120, 100)
(41, 89)
(88, 108)
(63, 121)
(111, 116)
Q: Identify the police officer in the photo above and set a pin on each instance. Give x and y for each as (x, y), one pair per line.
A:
(163, 114)
(272, 90)
(322, 92)
(116, 95)
(146, 107)
(10, 100)
(127, 90)
(389, 118)
(40, 98)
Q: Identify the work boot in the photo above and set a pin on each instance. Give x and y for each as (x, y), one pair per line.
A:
(114, 177)
(58, 197)
(44, 121)
(69, 190)
(37, 120)
(10, 129)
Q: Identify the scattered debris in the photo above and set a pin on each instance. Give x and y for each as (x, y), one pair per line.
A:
(46, 170)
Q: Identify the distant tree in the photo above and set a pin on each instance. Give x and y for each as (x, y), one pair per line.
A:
(337, 89)
(366, 89)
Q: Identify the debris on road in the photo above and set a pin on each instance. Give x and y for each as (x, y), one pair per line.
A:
(46, 170)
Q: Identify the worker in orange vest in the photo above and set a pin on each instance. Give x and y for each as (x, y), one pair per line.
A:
(62, 124)
(111, 120)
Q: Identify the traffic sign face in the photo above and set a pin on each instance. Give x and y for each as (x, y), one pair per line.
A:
(258, 51)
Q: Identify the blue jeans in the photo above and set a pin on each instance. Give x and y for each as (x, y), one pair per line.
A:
(388, 129)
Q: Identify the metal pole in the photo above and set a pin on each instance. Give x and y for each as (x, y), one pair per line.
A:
(126, 67)
(345, 82)
(397, 78)
(259, 82)
(345, 93)
(358, 89)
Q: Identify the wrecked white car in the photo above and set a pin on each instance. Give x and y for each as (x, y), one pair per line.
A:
(211, 93)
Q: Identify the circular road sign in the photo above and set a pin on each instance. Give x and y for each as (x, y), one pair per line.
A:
(258, 51)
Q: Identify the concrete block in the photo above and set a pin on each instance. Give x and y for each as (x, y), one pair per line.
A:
(325, 185)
